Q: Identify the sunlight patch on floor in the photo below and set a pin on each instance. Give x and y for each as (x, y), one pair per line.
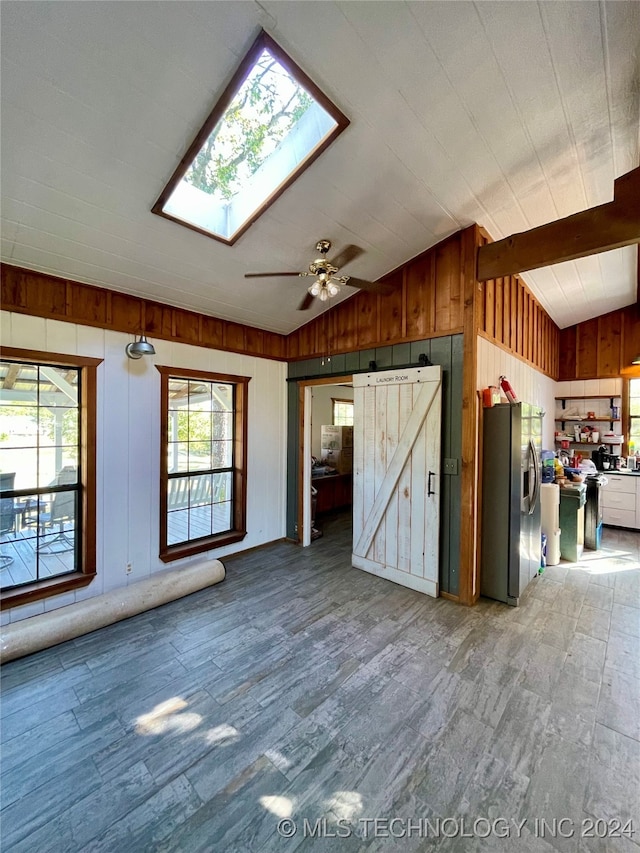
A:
(167, 717)
(596, 563)
(279, 806)
(222, 733)
(344, 805)
(278, 760)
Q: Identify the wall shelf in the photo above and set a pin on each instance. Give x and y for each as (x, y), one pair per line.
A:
(589, 397)
(585, 420)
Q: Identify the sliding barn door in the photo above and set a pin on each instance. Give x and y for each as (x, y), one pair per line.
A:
(396, 475)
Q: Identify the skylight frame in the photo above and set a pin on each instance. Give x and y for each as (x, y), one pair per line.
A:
(263, 42)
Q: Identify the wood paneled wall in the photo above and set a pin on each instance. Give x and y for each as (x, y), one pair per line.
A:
(427, 302)
(29, 292)
(510, 316)
(604, 346)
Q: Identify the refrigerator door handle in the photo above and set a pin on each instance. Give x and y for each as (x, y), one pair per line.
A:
(533, 463)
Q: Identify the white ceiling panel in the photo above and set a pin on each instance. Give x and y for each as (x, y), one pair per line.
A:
(510, 114)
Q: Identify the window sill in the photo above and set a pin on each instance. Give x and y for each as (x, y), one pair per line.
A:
(188, 549)
(44, 589)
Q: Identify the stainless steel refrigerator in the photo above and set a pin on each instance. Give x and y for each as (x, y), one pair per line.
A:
(511, 475)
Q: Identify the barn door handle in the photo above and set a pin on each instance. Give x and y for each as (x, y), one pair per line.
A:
(430, 491)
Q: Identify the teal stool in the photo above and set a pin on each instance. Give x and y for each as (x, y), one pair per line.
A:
(572, 500)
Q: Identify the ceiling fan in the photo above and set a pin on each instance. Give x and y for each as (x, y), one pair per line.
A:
(327, 283)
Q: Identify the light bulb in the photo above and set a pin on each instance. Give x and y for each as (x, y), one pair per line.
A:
(323, 295)
(333, 289)
(314, 290)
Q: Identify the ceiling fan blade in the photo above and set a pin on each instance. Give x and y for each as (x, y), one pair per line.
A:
(348, 254)
(371, 286)
(306, 302)
(268, 274)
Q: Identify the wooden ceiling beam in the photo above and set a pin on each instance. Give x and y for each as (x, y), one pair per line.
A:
(599, 229)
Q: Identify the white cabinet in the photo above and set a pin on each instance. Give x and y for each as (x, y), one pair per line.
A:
(621, 500)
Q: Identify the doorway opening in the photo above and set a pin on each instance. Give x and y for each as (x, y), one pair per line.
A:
(325, 487)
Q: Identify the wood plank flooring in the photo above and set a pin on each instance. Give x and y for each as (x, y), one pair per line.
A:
(302, 688)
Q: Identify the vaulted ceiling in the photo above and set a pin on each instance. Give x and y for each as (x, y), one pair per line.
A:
(510, 114)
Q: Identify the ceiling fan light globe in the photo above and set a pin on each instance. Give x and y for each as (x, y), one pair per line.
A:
(314, 290)
(333, 289)
(323, 295)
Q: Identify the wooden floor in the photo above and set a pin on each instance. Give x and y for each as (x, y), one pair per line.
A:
(302, 688)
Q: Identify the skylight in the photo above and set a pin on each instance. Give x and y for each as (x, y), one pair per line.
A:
(269, 125)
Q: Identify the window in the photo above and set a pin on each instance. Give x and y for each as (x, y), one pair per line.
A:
(342, 412)
(634, 414)
(203, 465)
(47, 474)
(269, 125)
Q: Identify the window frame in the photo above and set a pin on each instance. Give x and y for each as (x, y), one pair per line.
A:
(87, 570)
(169, 553)
(335, 400)
(634, 375)
(262, 42)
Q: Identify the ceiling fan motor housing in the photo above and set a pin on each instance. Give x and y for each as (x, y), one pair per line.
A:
(320, 266)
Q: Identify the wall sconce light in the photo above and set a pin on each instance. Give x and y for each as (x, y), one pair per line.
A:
(138, 348)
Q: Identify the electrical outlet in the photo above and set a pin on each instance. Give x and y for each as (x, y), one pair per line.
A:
(129, 568)
(450, 466)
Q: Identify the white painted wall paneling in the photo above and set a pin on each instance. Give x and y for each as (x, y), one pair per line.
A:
(128, 446)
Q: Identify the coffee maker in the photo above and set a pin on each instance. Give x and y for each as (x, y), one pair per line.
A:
(602, 459)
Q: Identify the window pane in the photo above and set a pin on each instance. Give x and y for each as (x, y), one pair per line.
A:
(57, 466)
(55, 554)
(200, 521)
(57, 386)
(222, 454)
(222, 517)
(200, 490)
(23, 464)
(32, 511)
(342, 413)
(178, 527)
(178, 393)
(200, 425)
(18, 424)
(199, 396)
(22, 555)
(178, 493)
(178, 460)
(222, 485)
(222, 398)
(199, 455)
(223, 425)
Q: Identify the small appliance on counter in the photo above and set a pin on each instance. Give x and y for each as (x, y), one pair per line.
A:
(605, 461)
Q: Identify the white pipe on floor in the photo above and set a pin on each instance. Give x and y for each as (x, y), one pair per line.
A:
(48, 629)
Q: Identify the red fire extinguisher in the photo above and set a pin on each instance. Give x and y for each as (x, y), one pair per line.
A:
(508, 390)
